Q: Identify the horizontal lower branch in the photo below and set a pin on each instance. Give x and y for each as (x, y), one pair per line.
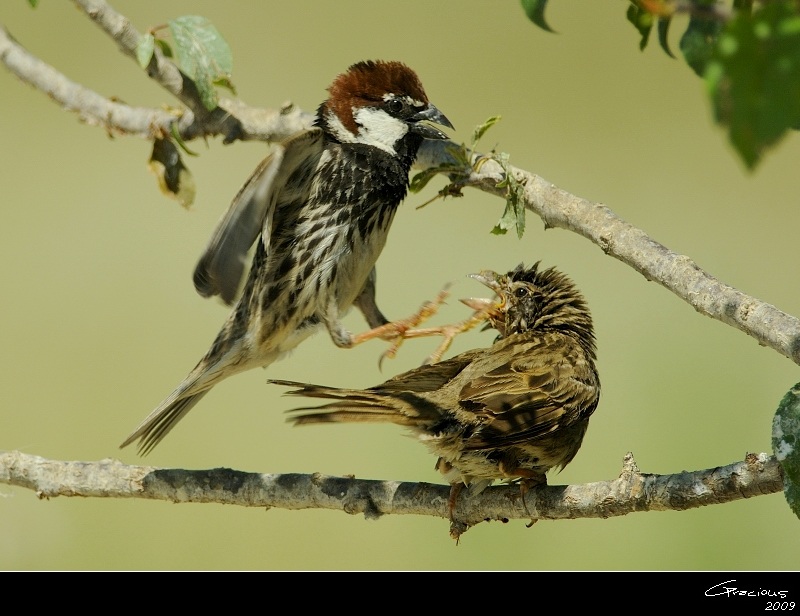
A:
(633, 491)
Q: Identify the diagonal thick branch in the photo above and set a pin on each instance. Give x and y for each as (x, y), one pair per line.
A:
(632, 492)
(767, 324)
(617, 238)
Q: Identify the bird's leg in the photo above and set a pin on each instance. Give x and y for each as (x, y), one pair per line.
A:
(393, 331)
(367, 304)
(529, 479)
(456, 528)
(398, 331)
(483, 308)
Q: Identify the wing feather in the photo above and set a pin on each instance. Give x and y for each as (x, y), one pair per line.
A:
(220, 268)
(546, 382)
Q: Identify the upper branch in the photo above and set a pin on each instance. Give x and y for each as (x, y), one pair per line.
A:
(91, 107)
(616, 237)
(161, 69)
(678, 273)
(233, 120)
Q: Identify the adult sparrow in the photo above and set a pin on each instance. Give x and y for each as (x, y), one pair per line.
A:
(318, 208)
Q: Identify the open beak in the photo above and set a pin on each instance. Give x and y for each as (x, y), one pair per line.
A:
(493, 308)
(429, 114)
(478, 303)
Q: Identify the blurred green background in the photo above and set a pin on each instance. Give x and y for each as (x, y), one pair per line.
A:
(101, 321)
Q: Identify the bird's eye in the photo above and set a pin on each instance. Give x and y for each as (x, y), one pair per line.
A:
(521, 292)
(395, 105)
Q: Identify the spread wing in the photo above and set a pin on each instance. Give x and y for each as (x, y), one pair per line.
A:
(222, 264)
(546, 382)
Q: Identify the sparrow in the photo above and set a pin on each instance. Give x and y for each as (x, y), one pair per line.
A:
(318, 209)
(509, 412)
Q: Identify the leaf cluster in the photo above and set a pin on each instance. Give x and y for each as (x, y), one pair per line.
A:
(202, 54)
(460, 169)
(748, 54)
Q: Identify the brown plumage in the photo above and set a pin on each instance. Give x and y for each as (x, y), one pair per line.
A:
(508, 412)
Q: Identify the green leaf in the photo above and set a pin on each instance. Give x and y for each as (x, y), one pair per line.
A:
(165, 47)
(178, 138)
(224, 82)
(786, 445)
(514, 212)
(753, 78)
(144, 50)
(481, 129)
(33, 3)
(421, 179)
(642, 21)
(534, 9)
(743, 6)
(663, 32)
(174, 178)
(698, 42)
(202, 54)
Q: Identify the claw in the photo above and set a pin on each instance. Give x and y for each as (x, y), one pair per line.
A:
(397, 331)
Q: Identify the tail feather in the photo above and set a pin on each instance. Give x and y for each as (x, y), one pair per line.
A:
(335, 414)
(172, 409)
(209, 371)
(352, 406)
(158, 424)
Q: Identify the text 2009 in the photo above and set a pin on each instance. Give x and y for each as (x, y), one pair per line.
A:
(779, 606)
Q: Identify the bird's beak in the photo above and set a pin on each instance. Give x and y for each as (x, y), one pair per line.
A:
(488, 309)
(488, 278)
(478, 303)
(493, 308)
(429, 114)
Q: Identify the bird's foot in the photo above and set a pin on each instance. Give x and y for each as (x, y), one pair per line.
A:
(525, 486)
(482, 310)
(457, 528)
(398, 331)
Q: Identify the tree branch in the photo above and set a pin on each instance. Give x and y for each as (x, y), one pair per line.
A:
(557, 208)
(617, 238)
(225, 119)
(632, 492)
(92, 108)
(233, 119)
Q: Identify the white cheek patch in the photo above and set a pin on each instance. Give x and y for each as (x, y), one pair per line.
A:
(379, 129)
(338, 129)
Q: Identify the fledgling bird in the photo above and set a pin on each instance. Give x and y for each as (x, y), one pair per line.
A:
(319, 208)
(508, 412)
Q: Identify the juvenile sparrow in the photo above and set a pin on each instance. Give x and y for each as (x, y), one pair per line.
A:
(319, 208)
(508, 412)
